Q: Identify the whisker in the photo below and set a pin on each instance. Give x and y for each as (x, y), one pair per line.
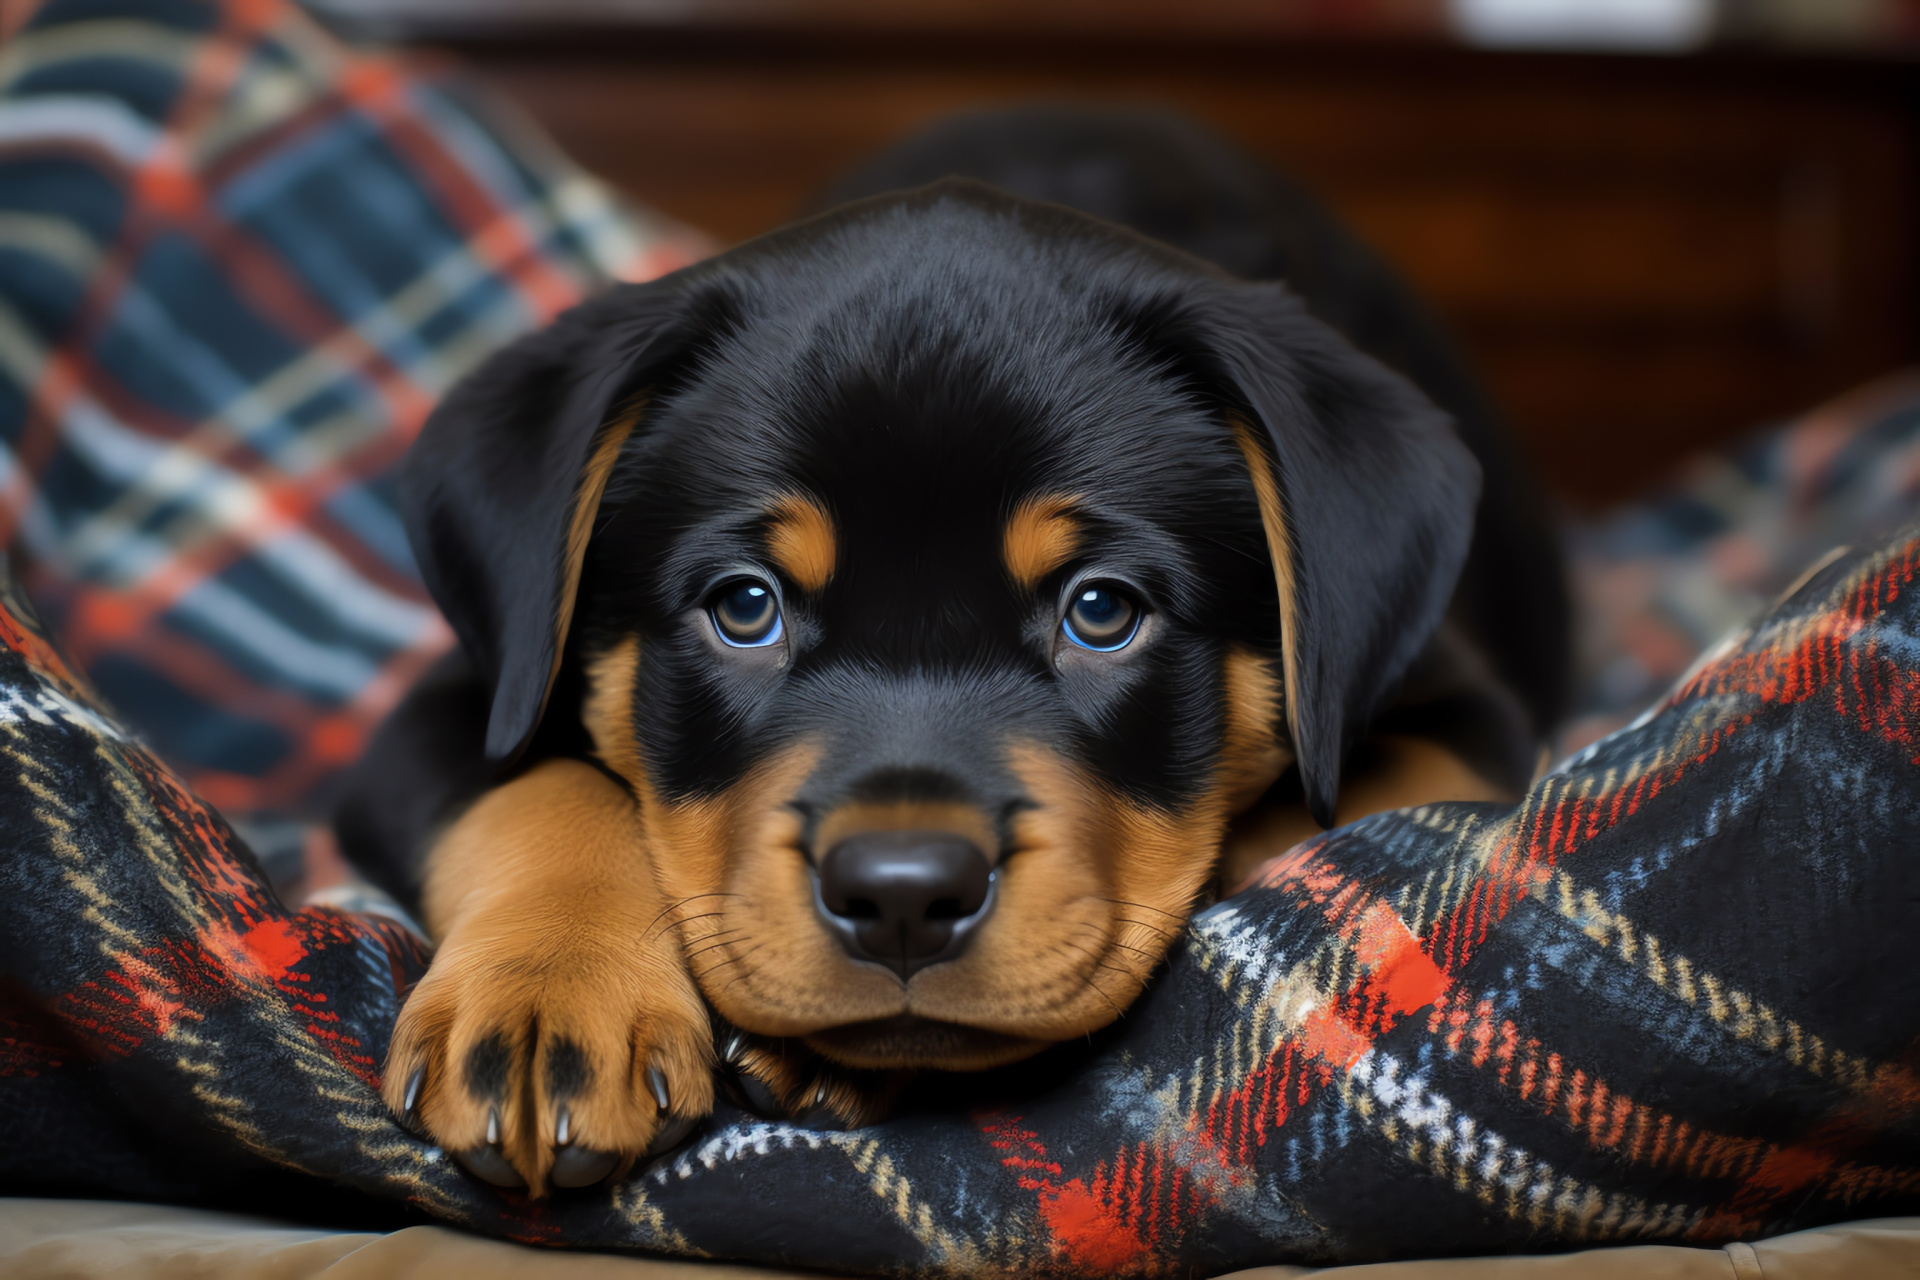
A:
(1153, 929)
(1099, 962)
(1123, 902)
(714, 947)
(736, 958)
(704, 915)
(675, 906)
(1094, 987)
(1163, 926)
(1097, 932)
(743, 974)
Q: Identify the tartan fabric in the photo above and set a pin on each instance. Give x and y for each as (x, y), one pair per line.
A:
(1656, 582)
(238, 264)
(1669, 997)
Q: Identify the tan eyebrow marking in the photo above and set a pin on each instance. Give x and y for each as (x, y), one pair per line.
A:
(1041, 534)
(801, 539)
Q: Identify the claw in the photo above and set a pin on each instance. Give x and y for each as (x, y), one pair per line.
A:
(759, 1097)
(410, 1103)
(582, 1166)
(563, 1127)
(657, 1083)
(672, 1134)
(488, 1165)
(817, 1114)
(736, 1046)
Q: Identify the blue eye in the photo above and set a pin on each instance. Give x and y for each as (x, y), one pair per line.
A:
(1101, 617)
(746, 614)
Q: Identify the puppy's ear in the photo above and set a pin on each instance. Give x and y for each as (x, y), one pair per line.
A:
(500, 490)
(1367, 495)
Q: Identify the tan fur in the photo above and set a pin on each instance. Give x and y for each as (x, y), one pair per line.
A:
(607, 710)
(1399, 772)
(800, 538)
(960, 819)
(648, 901)
(801, 1080)
(763, 956)
(551, 929)
(1252, 755)
(1041, 534)
(586, 504)
(754, 942)
(1094, 889)
(1280, 548)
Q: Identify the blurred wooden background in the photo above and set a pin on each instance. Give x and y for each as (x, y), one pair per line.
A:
(1643, 254)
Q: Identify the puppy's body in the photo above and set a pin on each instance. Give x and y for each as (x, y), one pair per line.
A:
(914, 595)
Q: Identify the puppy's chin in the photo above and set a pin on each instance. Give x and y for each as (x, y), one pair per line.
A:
(907, 1042)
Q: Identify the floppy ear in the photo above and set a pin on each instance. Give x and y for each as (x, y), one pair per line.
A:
(499, 491)
(1367, 495)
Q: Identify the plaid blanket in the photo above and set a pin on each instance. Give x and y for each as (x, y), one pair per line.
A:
(1668, 997)
(1659, 580)
(238, 264)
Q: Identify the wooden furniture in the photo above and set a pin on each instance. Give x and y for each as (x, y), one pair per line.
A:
(1643, 254)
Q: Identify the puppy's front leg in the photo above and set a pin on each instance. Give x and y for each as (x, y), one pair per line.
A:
(557, 1033)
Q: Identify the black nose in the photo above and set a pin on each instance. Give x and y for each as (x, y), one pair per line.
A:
(905, 898)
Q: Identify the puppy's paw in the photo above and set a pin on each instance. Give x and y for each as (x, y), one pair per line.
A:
(542, 1071)
(783, 1079)
(557, 1036)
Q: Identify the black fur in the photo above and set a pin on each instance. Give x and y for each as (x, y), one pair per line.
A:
(1171, 179)
(920, 362)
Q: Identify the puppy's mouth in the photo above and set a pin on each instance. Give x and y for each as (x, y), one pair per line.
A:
(908, 1041)
(929, 932)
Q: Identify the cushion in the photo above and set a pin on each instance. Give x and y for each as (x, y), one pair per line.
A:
(1658, 580)
(1665, 998)
(238, 264)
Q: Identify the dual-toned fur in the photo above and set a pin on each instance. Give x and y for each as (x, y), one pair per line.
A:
(879, 631)
(552, 993)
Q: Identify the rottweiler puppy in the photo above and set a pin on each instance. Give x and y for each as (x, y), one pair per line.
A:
(875, 641)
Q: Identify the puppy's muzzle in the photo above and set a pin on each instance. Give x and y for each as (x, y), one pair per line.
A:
(905, 899)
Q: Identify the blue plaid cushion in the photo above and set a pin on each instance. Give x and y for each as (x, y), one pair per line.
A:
(238, 263)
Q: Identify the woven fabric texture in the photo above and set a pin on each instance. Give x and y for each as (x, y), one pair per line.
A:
(238, 264)
(1657, 581)
(1669, 997)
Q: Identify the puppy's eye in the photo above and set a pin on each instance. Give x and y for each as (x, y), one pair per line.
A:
(1101, 617)
(746, 614)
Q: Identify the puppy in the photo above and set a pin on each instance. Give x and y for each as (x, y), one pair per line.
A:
(877, 639)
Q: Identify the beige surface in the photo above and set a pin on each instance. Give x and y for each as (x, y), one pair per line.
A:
(1874, 1250)
(102, 1240)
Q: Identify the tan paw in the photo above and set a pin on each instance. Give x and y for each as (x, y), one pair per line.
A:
(557, 1036)
(783, 1079)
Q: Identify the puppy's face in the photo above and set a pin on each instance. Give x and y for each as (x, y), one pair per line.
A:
(939, 643)
(947, 576)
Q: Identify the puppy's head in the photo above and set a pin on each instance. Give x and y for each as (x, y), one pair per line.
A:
(941, 574)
